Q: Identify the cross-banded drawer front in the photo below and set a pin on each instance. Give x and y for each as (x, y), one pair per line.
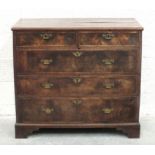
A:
(77, 86)
(45, 38)
(108, 38)
(77, 110)
(77, 61)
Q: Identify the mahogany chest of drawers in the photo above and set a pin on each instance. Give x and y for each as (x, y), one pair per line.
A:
(77, 73)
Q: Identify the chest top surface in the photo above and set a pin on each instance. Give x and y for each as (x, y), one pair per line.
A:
(78, 23)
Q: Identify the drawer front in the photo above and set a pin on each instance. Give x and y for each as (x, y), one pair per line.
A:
(77, 86)
(77, 61)
(77, 110)
(46, 38)
(108, 38)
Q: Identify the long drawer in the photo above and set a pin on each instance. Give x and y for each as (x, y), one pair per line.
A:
(77, 110)
(47, 86)
(77, 61)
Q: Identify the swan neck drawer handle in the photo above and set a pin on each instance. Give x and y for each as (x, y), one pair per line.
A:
(46, 61)
(48, 110)
(107, 36)
(109, 85)
(108, 61)
(107, 110)
(47, 85)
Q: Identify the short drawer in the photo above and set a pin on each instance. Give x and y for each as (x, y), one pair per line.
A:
(45, 38)
(48, 86)
(77, 110)
(77, 61)
(108, 38)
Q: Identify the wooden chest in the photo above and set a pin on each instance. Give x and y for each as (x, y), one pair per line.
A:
(77, 73)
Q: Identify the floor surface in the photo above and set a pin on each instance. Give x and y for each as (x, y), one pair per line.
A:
(81, 137)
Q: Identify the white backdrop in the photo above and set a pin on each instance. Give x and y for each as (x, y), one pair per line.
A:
(12, 10)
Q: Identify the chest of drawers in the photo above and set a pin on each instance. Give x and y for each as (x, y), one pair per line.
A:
(77, 73)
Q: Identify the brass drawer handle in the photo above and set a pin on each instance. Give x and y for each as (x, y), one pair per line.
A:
(46, 36)
(77, 53)
(109, 85)
(107, 36)
(47, 85)
(77, 80)
(77, 102)
(107, 110)
(108, 61)
(48, 110)
(46, 61)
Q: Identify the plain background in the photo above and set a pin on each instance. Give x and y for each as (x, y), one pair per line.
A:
(12, 10)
